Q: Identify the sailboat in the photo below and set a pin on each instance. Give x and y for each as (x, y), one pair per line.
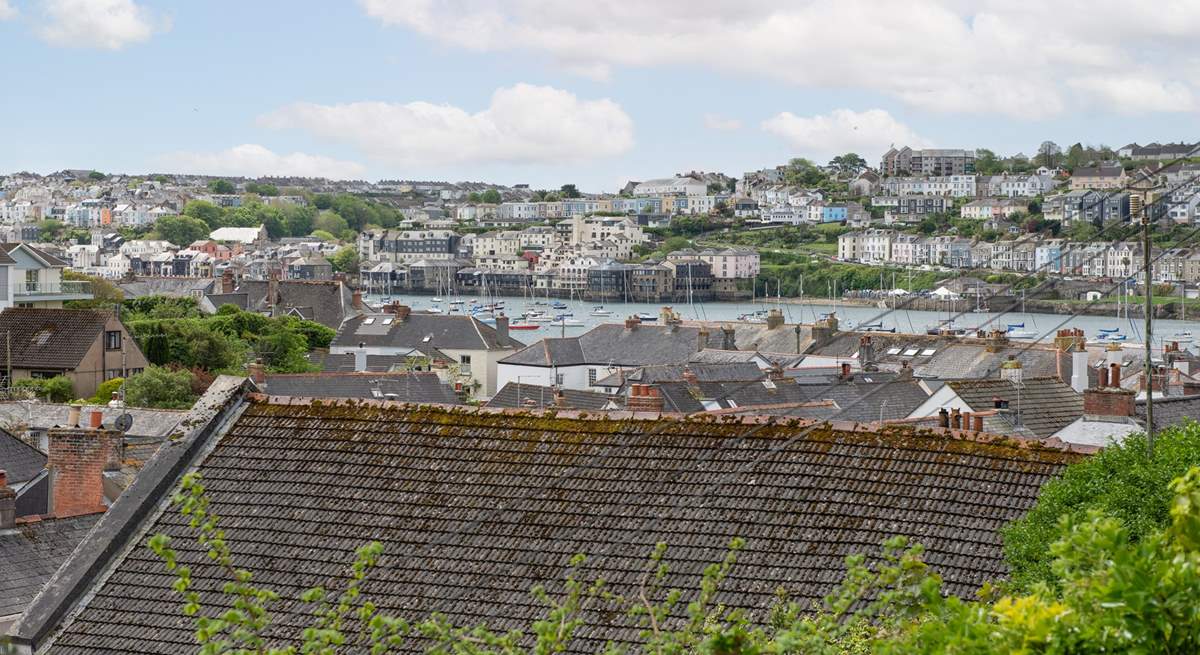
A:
(599, 310)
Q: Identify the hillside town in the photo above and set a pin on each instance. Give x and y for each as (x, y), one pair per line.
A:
(167, 323)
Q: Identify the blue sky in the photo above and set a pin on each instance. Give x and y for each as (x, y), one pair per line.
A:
(546, 92)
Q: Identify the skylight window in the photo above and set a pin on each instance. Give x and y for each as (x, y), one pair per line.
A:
(388, 321)
(893, 351)
(369, 321)
(910, 352)
(928, 351)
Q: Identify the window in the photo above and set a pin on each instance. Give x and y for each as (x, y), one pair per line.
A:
(31, 279)
(112, 340)
(559, 378)
(466, 364)
(591, 377)
(111, 373)
(43, 375)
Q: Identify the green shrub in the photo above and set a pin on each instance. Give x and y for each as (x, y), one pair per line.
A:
(58, 389)
(105, 391)
(160, 387)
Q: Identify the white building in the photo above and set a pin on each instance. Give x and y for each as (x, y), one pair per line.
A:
(686, 186)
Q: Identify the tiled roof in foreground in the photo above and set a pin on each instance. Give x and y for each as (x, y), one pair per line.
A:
(476, 506)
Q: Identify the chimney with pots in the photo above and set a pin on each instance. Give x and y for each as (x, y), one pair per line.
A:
(905, 372)
(77, 459)
(560, 399)
(997, 340)
(774, 319)
(776, 372)
(356, 300)
(632, 323)
(8, 503)
(701, 339)
(1011, 370)
(689, 376)
(501, 328)
(1108, 401)
(644, 398)
(227, 285)
(823, 329)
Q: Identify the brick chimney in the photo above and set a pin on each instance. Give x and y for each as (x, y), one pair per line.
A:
(501, 327)
(905, 372)
(356, 300)
(227, 285)
(774, 319)
(943, 418)
(77, 460)
(8, 503)
(689, 376)
(632, 322)
(701, 339)
(644, 398)
(824, 329)
(844, 371)
(401, 311)
(1108, 401)
(996, 341)
(776, 372)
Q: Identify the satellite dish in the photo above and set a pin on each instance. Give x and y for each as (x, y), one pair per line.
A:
(124, 422)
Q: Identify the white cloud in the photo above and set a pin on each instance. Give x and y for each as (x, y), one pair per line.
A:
(253, 160)
(1134, 95)
(522, 124)
(720, 123)
(842, 131)
(7, 11)
(103, 24)
(1012, 57)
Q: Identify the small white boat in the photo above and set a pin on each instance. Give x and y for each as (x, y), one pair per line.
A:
(599, 310)
(645, 318)
(434, 310)
(436, 299)
(566, 322)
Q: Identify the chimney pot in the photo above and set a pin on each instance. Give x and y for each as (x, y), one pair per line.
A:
(955, 419)
(8, 503)
(943, 418)
(96, 419)
(845, 370)
(1114, 375)
(978, 427)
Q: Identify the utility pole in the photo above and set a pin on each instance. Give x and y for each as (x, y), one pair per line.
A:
(1149, 365)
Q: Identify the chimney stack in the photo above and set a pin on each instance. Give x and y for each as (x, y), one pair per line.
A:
(1079, 371)
(257, 372)
(701, 339)
(644, 398)
(1011, 370)
(560, 399)
(8, 503)
(845, 371)
(632, 322)
(728, 338)
(774, 319)
(1109, 401)
(360, 358)
(689, 376)
(776, 372)
(502, 328)
(943, 418)
(77, 460)
(356, 300)
(866, 354)
(227, 285)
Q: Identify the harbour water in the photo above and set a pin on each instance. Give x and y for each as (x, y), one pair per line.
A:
(1036, 326)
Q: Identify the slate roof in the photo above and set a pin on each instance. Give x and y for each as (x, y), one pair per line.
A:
(344, 363)
(50, 338)
(50, 259)
(419, 330)
(730, 372)
(31, 553)
(716, 356)
(146, 422)
(327, 302)
(20, 461)
(299, 487)
(515, 396)
(1045, 405)
(410, 387)
(166, 286)
(938, 356)
(855, 401)
(1169, 410)
(613, 344)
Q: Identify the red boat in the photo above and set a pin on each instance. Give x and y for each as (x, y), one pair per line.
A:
(524, 326)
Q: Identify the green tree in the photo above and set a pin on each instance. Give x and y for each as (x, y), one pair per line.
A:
(1049, 154)
(181, 230)
(474, 198)
(803, 172)
(160, 388)
(105, 391)
(849, 164)
(212, 215)
(299, 220)
(273, 220)
(986, 162)
(221, 186)
(50, 230)
(323, 235)
(1122, 481)
(491, 197)
(569, 191)
(345, 260)
(104, 293)
(261, 189)
(162, 179)
(58, 389)
(96, 175)
(330, 222)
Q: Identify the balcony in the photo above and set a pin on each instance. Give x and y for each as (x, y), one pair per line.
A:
(51, 291)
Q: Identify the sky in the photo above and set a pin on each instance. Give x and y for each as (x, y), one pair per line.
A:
(550, 92)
